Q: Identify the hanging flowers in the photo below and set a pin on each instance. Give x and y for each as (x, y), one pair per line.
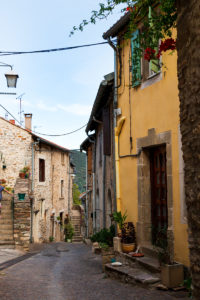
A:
(168, 44)
(149, 54)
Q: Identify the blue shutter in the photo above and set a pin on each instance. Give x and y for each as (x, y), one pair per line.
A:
(136, 60)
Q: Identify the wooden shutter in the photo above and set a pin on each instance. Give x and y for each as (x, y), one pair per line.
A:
(136, 61)
(106, 131)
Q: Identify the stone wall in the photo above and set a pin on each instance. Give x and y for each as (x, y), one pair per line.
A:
(48, 201)
(15, 151)
(22, 214)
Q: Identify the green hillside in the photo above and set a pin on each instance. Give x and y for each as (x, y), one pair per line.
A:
(79, 160)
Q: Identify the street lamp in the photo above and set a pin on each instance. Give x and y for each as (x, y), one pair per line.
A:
(11, 78)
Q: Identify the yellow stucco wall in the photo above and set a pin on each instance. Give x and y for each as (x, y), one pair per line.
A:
(155, 106)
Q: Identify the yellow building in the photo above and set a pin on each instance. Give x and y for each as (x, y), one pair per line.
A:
(149, 163)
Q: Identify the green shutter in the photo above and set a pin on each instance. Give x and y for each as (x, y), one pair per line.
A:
(136, 61)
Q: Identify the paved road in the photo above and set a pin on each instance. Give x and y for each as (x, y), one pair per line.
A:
(67, 272)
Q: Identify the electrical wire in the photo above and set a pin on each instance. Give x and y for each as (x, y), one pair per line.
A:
(6, 53)
(63, 134)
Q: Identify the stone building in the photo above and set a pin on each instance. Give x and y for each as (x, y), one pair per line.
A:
(42, 200)
(100, 151)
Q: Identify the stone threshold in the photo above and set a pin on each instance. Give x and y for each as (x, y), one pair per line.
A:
(132, 275)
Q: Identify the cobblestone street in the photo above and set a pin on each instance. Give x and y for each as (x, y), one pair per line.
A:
(67, 272)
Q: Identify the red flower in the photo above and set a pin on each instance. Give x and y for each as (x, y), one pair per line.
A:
(129, 9)
(149, 53)
(168, 44)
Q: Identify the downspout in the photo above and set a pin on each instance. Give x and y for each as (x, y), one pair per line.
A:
(86, 199)
(117, 133)
(104, 190)
(116, 184)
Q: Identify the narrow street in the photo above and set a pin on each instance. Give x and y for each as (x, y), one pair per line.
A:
(65, 271)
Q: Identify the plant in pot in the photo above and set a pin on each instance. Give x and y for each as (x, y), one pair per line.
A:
(25, 172)
(69, 232)
(128, 238)
(172, 273)
(119, 219)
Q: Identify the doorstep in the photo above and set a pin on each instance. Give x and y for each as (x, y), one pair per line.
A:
(133, 275)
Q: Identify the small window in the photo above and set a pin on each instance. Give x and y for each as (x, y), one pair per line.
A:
(62, 158)
(41, 170)
(62, 188)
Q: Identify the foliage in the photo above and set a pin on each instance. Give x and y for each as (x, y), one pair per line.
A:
(119, 218)
(157, 25)
(68, 231)
(104, 246)
(79, 160)
(76, 194)
(128, 233)
(51, 239)
(104, 236)
(188, 285)
(161, 245)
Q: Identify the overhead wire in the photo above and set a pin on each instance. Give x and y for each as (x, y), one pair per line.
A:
(6, 53)
(63, 134)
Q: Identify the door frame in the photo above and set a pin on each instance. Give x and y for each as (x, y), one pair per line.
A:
(144, 237)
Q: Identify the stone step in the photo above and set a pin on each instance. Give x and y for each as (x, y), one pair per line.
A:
(149, 263)
(6, 226)
(6, 237)
(133, 275)
(77, 239)
(7, 232)
(7, 244)
(5, 220)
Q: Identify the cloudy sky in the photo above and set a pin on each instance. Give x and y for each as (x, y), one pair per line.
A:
(60, 87)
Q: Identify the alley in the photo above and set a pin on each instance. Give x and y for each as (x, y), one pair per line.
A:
(65, 271)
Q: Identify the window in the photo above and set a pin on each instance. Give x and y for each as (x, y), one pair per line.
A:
(154, 64)
(62, 158)
(106, 131)
(41, 170)
(136, 60)
(62, 188)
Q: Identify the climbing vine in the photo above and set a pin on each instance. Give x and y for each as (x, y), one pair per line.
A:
(156, 26)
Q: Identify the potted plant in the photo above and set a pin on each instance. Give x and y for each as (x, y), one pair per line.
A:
(172, 273)
(25, 172)
(128, 238)
(69, 232)
(119, 218)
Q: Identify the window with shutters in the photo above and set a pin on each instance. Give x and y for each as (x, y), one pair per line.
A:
(41, 170)
(136, 59)
(154, 64)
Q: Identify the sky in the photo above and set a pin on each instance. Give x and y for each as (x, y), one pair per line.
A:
(59, 88)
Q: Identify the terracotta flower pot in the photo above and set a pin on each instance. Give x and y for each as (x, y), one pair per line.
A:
(22, 175)
(126, 248)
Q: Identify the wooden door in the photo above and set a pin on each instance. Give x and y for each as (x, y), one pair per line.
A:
(159, 215)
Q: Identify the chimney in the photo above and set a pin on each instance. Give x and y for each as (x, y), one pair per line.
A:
(28, 121)
(12, 122)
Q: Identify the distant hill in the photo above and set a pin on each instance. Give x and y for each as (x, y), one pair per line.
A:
(79, 160)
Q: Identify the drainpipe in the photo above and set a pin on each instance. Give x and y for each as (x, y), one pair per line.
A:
(32, 186)
(104, 190)
(115, 138)
(86, 199)
(118, 192)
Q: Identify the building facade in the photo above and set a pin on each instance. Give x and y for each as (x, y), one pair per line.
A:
(100, 153)
(148, 160)
(44, 197)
